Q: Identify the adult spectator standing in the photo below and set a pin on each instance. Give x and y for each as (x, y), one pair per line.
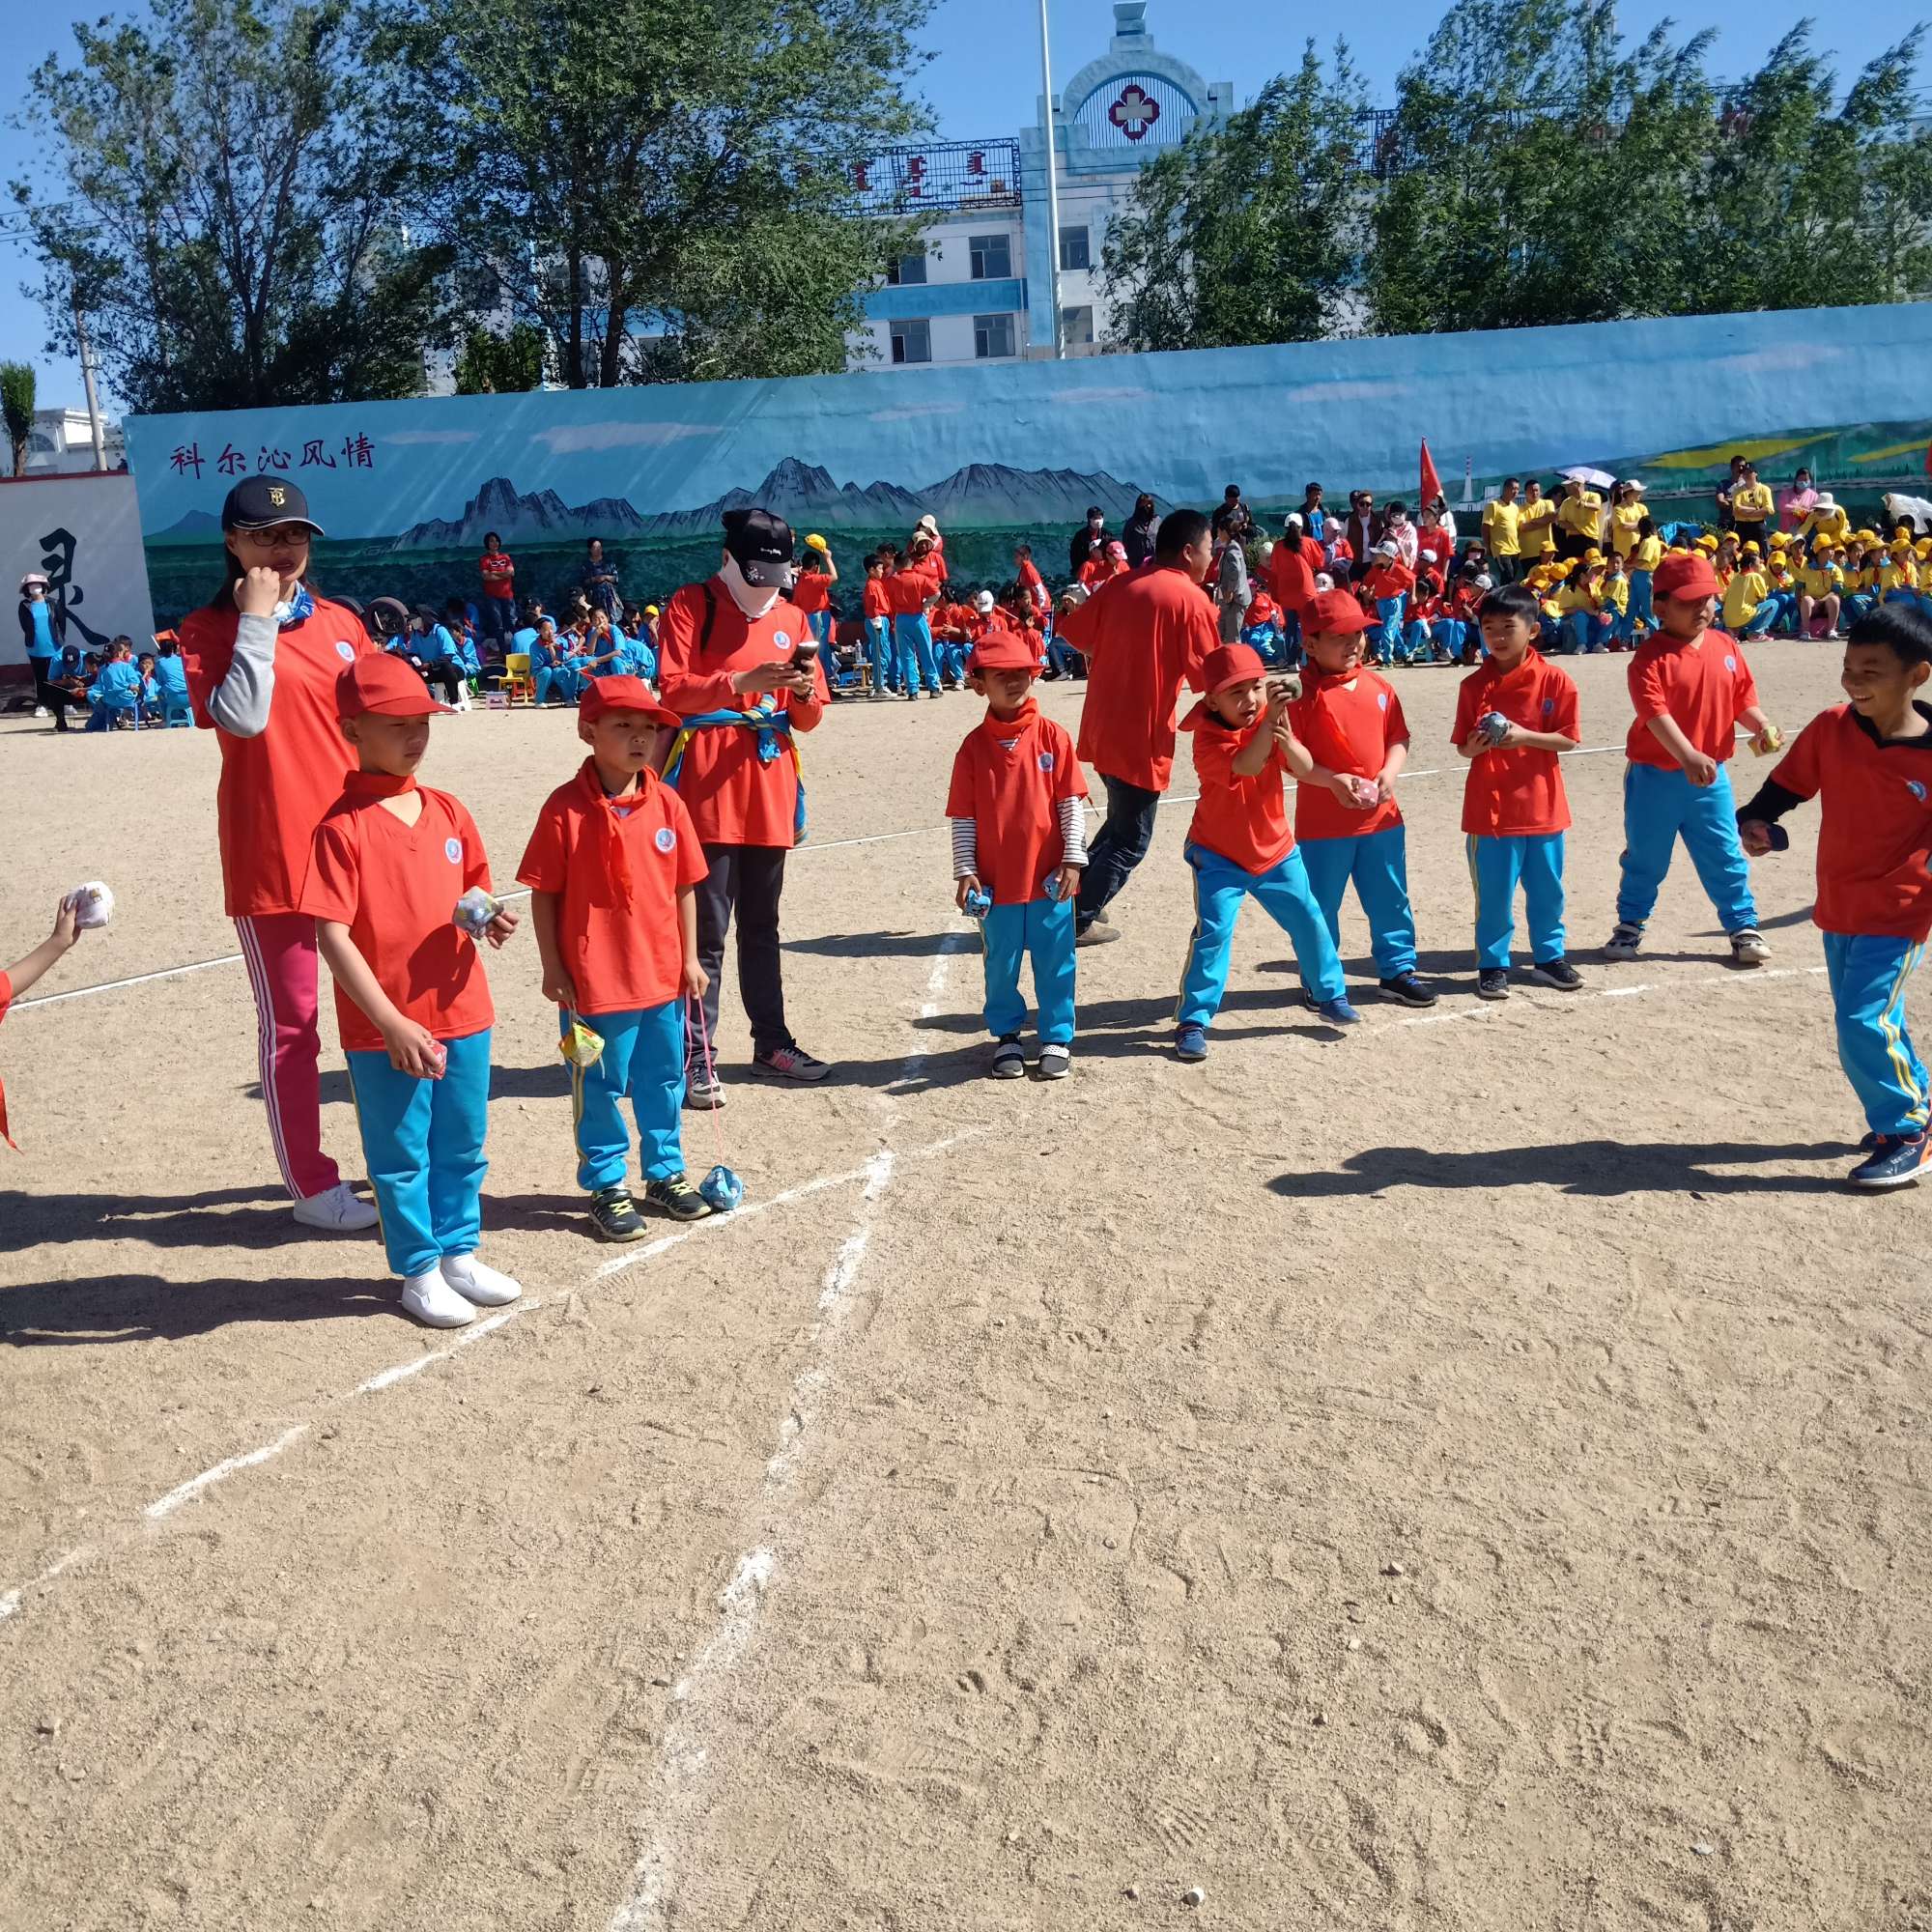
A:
(1314, 516)
(1753, 510)
(1363, 529)
(1500, 541)
(599, 582)
(1143, 635)
(1795, 503)
(1232, 591)
(1138, 536)
(1725, 489)
(1294, 565)
(262, 657)
(1089, 541)
(729, 665)
(497, 613)
(1580, 519)
(43, 631)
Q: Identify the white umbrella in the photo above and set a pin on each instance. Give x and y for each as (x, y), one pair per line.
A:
(1600, 478)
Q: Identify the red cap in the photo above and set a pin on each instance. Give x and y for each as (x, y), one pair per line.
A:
(1002, 649)
(604, 694)
(381, 683)
(1688, 576)
(1333, 614)
(1227, 665)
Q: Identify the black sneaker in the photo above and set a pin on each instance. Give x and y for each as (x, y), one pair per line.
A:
(1557, 973)
(675, 1196)
(614, 1215)
(1895, 1161)
(1008, 1058)
(1407, 990)
(1492, 983)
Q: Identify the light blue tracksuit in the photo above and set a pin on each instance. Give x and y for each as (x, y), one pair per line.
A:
(1497, 863)
(642, 1060)
(423, 1141)
(554, 672)
(1377, 862)
(1658, 806)
(1867, 974)
(912, 639)
(1044, 928)
(1638, 610)
(1389, 639)
(879, 650)
(1284, 894)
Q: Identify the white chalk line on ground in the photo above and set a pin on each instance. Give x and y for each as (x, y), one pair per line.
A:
(671, 1818)
(1754, 975)
(521, 892)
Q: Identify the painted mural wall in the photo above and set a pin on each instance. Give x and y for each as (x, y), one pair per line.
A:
(1017, 451)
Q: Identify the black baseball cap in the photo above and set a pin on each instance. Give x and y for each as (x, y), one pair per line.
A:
(260, 502)
(762, 546)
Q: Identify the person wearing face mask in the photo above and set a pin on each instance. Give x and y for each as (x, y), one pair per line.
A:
(737, 662)
(262, 657)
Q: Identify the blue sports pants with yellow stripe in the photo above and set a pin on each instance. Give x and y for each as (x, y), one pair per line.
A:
(642, 1060)
(1659, 806)
(1220, 886)
(423, 1140)
(1867, 975)
(1497, 866)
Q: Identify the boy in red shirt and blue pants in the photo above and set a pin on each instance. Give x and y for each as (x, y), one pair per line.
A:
(1346, 819)
(1514, 716)
(612, 869)
(1240, 843)
(1019, 837)
(1869, 765)
(1692, 687)
(412, 1004)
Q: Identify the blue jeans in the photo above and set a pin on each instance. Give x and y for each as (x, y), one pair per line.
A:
(912, 637)
(1220, 886)
(642, 1062)
(881, 655)
(1377, 862)
(1759, 624)
(1658, 806)
(423, 1141)
(1044, 928)
(1063, 658)
(1497, 865)
(1587, 631)
(1867, 976)
(1118, 848)
(1641, 610)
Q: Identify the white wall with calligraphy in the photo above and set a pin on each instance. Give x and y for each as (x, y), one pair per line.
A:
(84, 535)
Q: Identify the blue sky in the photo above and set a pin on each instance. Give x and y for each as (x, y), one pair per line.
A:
(984, 78)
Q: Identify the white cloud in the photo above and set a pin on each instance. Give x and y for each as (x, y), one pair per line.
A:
(574, 439)
(911, 411)
(430, 436)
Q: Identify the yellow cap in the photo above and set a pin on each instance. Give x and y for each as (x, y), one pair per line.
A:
(650, 609)
(1592, 556)
(814, 541)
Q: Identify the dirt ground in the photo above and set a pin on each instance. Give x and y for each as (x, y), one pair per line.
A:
(1470, 1473)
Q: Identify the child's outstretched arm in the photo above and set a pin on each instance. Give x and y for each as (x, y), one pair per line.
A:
(55, 945)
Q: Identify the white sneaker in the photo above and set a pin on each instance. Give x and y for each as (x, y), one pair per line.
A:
(41, 711)
(487, 1287)
(1748, 948)
(435, 1303)
(337, 1211)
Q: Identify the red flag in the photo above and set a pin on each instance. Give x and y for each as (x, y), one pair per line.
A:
(1432, 484)
(1928, 459)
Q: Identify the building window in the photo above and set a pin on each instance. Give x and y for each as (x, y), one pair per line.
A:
(1076, 250)
(992, 336)
(908, 272)
(912, 341)
(1076, 326)
(992, 258)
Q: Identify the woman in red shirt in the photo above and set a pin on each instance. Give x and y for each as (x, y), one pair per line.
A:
(262, 657)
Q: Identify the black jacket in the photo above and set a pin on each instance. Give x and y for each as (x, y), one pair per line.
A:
(1138, 536)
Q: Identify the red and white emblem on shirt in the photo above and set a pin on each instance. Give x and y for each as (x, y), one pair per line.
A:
(1134, 112)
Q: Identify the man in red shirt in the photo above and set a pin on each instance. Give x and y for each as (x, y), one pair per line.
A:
(1142, 635)
(496, 614)
(1240, 843)
(1690, 687)
(730, 665)
(1515, 717)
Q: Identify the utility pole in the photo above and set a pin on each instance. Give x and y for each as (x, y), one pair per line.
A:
(86, 347)
(1052, 180)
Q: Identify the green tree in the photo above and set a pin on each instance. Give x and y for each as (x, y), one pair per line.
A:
(1245, 233)
(500, 364)
(225, 190)
(16, 409)
(666, 189)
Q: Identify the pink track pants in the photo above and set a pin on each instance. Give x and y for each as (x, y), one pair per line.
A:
(279, 952)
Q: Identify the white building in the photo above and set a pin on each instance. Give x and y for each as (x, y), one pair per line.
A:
(61, 444)
(981, 287)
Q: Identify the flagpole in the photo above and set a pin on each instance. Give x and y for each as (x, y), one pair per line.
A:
(1052, 182)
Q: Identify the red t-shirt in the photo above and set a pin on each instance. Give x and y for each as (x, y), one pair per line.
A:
(907, 590)
(1388, 579)
(813, 591)
(500, 575)
(395, 888)
(1703, 685)
(1009, 778)
(1028, 574)
(1347, 726)
(275, 787)
(1242, 819)
(873, 597)
(1142, 635)
(1516, 793)
(733, 800)
(619, 961)
(1292, 570)
(1875, 823)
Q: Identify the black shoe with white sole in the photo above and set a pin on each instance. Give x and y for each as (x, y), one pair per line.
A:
(1492, 983)
(1556, 973)
(1407, 990)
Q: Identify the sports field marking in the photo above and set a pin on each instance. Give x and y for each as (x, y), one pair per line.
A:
(167, 1505)
(522, 892)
